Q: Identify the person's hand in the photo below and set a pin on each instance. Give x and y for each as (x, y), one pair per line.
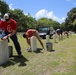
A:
(5, 37)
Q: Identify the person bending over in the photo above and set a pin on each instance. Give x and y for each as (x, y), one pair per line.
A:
(60, 33)
(32, 32)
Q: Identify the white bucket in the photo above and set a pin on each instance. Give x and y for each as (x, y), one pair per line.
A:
(33, 43)
(49, 46)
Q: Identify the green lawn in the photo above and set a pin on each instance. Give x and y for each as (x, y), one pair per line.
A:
(61, 61)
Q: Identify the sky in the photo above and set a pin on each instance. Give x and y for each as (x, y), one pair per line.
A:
(54, 9)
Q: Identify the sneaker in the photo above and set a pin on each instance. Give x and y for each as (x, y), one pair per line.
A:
(29, 49)
(19, 55)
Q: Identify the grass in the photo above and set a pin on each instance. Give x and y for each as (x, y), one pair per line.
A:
(61, 61)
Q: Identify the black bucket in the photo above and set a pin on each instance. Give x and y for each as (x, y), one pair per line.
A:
(10, 48)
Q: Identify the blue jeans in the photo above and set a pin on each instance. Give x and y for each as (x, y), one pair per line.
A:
(15, 41)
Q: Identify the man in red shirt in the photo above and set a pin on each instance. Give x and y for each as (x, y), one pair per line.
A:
(29, 34)
(9, 27)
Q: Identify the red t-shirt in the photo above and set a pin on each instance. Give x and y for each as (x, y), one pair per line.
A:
(30, 33)
(8, 27)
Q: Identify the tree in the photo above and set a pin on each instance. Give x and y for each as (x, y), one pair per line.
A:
(24, 21)
(70, 20)
(19, 16)
(74, 25)
(55, 25)
(31, 22)
(43, 21)
(62, 26)
(48, 22)
(3, 7)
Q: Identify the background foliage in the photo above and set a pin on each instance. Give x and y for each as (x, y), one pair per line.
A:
(27, 21)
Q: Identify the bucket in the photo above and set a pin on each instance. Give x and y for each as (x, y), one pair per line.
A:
(49, 46)
(10, 48)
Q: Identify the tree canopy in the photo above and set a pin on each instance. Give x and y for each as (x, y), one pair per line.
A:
(3, 8)
(27, 21)
(70, 22)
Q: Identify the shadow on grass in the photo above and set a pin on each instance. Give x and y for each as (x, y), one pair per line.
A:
(38, 50)
(56, 42)
(14, 60)
(51, 50)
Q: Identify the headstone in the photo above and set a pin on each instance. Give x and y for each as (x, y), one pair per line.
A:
(47, 38)
(33, 43)
(4, 52)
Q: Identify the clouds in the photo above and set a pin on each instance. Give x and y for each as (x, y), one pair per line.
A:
(47, 14)
(10, 6)
(68, 0)
(44, 13)
(74, 2)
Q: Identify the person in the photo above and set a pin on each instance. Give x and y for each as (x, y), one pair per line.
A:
(9, 27)
(66, 33)
(32, 32)
(60, 33)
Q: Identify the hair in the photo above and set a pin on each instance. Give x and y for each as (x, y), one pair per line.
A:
(24, 35)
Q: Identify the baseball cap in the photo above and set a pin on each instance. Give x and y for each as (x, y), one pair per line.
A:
(6, 16)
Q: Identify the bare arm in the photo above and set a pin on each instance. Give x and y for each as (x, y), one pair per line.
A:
(11, 34)
(28, 41)
(39, 39)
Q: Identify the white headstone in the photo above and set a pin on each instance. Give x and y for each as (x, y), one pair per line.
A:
(54, 37)
(4, 52)
(33, 43)
(47, 38)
